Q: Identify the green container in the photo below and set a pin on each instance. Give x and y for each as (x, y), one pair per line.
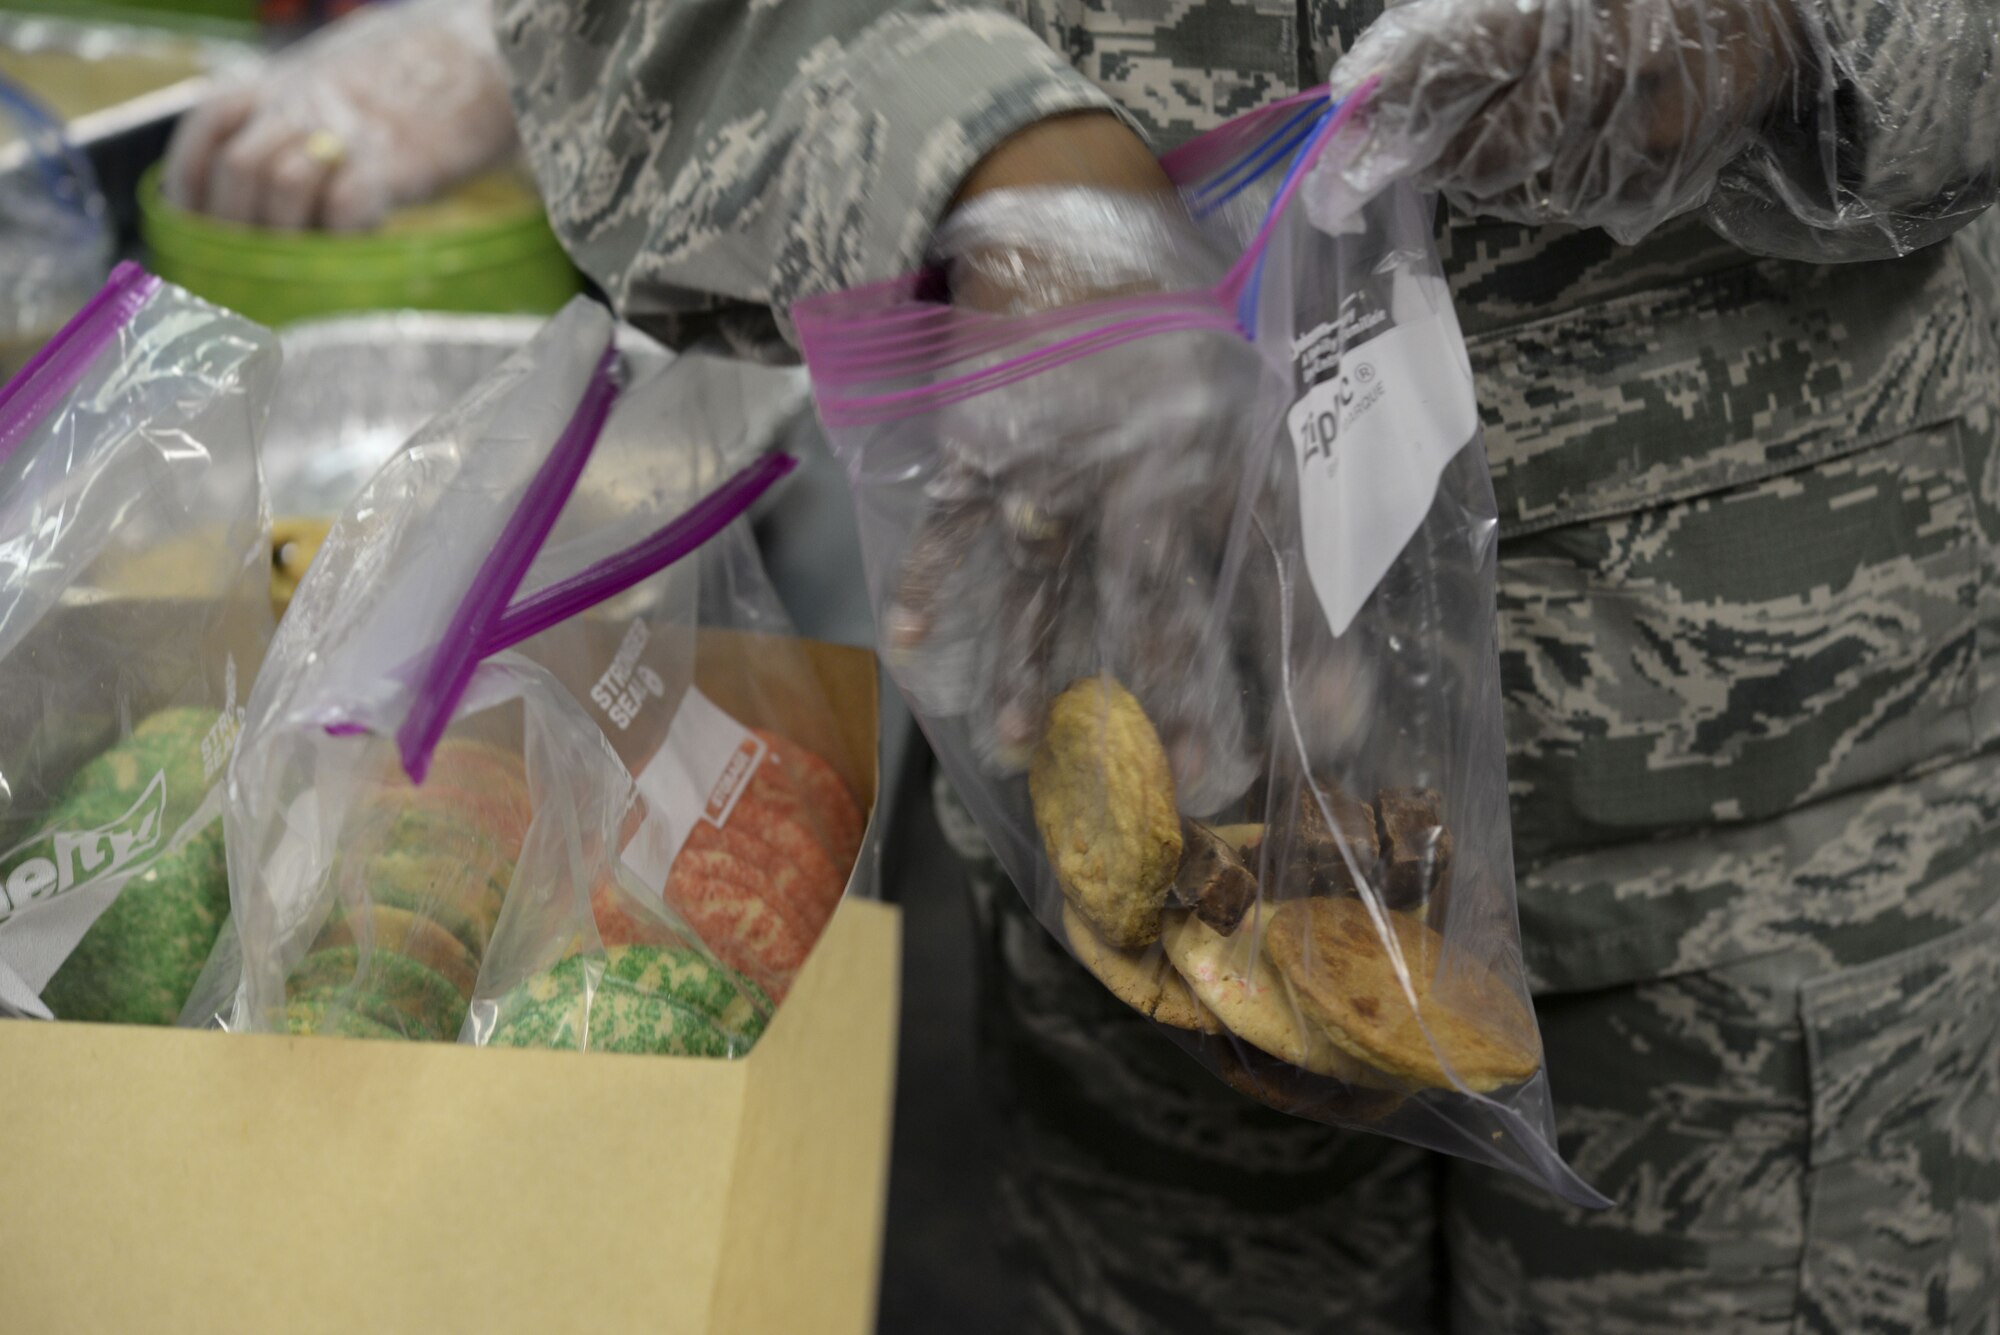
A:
(224, 20)
(508, 261)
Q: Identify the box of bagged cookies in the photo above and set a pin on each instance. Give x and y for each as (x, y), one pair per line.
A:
(350, 1175)
(496, 949)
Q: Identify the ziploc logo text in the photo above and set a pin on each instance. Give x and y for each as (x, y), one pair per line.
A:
(70, 859)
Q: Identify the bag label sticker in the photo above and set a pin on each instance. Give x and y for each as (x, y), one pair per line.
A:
(698, 774)
(1371, 438)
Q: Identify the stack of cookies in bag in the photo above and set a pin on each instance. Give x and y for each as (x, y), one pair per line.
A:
(1303, 944)
(432, 866)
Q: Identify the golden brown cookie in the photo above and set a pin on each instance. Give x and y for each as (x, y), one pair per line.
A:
(1142, 979)
(1346, 982)
(1104, 803)
(1231, 977)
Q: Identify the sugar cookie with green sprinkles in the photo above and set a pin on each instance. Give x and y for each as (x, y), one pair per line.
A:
(396, 991)
(435, 885)
(410, 934)
(664, 1000)
(139, 960)
(305, 1015)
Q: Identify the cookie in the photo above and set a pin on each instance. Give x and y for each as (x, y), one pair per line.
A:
(660, 1000)
(502, 820)
(1346, 982)
(402, 932)
(836, 813)
(620, 922)
(408, 822)
(469, 931)
(307, 1016)
(1230, 976)
(1103, 797)
(467, 763)
(420, 881)
(427, 1005)
(747, 905)
(141, 958)
(167, 744)
(1142, 979)
(819, 883)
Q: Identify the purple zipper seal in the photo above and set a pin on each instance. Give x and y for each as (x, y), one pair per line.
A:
(641, 561)
(615, 574)
(460, 648)
(55, 370)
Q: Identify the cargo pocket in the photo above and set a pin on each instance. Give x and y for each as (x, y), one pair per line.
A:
(1903, 1183)
(1740, 567)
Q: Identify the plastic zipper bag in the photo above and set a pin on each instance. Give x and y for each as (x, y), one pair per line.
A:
(55, 237)
(448, 763)
(1183, 550)
(133, 618)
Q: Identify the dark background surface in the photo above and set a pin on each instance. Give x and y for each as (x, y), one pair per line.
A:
(940, 1269)
(941, 1273)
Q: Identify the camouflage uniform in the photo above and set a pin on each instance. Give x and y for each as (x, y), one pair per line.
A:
(1749, 592)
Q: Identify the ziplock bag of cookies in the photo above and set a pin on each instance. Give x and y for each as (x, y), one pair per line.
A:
(132, 620)
(1180, 538)
(433, 769)
(745, 829)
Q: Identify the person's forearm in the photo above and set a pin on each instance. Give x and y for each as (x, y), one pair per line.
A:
(702, 150)
(1093, 148)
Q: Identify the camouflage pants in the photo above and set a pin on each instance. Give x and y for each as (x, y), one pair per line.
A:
(1791, 1148)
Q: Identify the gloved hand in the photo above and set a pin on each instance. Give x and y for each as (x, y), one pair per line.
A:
(384, 108)
(1610, 113)
(1078, 516)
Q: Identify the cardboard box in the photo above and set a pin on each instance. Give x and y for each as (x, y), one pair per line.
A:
(169, 1180)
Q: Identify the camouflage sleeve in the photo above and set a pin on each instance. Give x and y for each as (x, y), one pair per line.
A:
(709, 162)
(1896, 147)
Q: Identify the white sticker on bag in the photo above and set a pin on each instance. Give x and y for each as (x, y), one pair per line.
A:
(1371, 441)
(697, 775)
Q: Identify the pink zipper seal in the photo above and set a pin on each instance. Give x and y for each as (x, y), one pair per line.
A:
(847, 344)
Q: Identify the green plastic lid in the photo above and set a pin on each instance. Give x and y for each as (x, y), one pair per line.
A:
(484, 247)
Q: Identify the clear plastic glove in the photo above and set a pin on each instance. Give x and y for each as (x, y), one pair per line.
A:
(1610, 113)
(1077, 517)
(385, 108)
